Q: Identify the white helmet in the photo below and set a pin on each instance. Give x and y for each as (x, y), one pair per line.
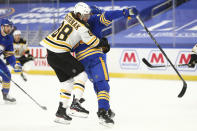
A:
(17, 32)
(82, 8)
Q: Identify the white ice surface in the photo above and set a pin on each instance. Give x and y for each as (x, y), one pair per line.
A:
(139, 104)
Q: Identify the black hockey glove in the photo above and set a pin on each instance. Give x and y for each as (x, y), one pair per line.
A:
(30, 57)
(192, 61)
(104, 45)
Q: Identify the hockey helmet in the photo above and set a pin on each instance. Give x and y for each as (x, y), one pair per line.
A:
(82, 8)
(6, 22)
(17, 32)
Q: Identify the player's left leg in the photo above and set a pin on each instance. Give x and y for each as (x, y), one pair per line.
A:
(76, 108)
(6, 83)
(100, 79)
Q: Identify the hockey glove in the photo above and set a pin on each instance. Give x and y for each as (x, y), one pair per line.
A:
(104, 45)
(192, 61)
(30, 57)
(17, 67)
(130, 12)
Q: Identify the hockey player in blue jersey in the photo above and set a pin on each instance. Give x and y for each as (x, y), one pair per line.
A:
(93, 59)
(6, 48)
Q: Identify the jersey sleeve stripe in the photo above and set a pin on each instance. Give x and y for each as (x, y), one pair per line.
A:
(94, 43)
(104, 21)
(88, 43)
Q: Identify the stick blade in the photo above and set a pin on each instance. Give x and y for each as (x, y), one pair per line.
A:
(183, 90)
(146, 62)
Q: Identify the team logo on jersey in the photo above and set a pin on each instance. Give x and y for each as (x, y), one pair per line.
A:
(129, 59)
(155, 57)
(2, 48)
(183, 58)
(4, 12)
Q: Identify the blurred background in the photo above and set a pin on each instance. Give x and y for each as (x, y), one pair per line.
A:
(172, 23)
(170, 20)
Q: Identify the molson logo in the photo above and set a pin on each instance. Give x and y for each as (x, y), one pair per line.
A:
(4, 12)
(129, 59)
(155, 57)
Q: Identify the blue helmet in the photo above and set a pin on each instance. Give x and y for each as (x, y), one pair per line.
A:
(95, 10)
(6, 22)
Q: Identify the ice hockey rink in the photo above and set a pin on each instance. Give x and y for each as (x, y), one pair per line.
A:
(139, 104)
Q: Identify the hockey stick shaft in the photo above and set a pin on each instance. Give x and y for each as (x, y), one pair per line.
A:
(184, 83)
(43, 107)
(158, 66)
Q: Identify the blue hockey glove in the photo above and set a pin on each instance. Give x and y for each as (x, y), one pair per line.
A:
(192, 61)
(17, 67)
(130, 12)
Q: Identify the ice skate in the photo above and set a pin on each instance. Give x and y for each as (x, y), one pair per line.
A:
(111, 113)
(8, 99)
(77, 110)
(61, 116)
(104, 118)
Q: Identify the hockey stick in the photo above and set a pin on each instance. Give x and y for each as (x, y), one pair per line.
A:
(184, 83)
(43, 107)
(157, 66)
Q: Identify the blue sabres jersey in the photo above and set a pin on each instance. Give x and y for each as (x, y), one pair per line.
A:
(6, 48)
(97, 24)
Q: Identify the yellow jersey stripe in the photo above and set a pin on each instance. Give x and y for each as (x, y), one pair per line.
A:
(80, 52)
(58, 42)
(104, 21)
(55, 46)
(89, 55)
(88, 43)
(104, 69)
(88, 51)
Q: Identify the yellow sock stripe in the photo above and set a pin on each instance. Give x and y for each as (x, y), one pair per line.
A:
(63, 96)
(104, 68)
(63, 90)
(102, 95)
(101, 92)
(81, 82)
(5, 85)
(103, 98)
(78, 87)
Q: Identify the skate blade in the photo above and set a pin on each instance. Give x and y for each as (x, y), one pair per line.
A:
(78, 114)
(9, 103)
(61, 121)
(108, 125)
